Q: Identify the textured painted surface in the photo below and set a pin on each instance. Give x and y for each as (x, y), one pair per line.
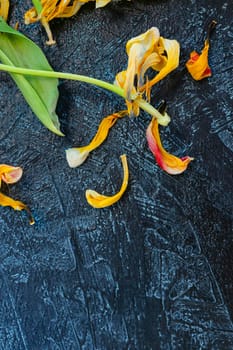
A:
(155, 270)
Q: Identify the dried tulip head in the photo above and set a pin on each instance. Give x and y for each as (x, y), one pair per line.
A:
(148, 50)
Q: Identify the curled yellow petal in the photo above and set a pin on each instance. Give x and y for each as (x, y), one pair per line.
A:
(4, 8)
(77, 155)
(6, 201)
(169, 53)
(97, 200)
(151, 61)
(138, 49)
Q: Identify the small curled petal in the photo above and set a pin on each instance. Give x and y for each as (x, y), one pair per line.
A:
(97, 200)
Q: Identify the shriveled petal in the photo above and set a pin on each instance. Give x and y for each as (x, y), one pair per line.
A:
(31, 16)
(137, 49)
(10, 174)
(6, 201)
(97, 200)
(52, 9)
(58, 9)
(169, 53)
(76, 156)
(168, 162)
(133, 108)
(120, 79)
(71, 10)
(198, 65)
(132, 105)
(146, 41)
(151, 61)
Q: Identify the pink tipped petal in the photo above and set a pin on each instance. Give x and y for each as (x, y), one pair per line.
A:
(168, 162)
(10, 174)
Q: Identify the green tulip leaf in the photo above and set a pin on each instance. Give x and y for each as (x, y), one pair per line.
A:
(41, 93)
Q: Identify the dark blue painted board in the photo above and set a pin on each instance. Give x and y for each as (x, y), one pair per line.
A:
(155, 270)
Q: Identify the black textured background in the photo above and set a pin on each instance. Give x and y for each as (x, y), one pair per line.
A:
(153, 271)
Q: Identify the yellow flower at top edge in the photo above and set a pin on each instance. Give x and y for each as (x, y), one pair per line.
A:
(10, 175)
(148, 50)
(57, 9)
(4, 8)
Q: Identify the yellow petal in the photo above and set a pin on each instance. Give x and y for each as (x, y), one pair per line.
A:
(146, 41)
(151, 61)
(198, 65)
(169, 52)
(97, 200)
(71, 10)
(77, 155)
(10, 174)
(6, 201)
(137, 48)
(4, 8)
(31, 16)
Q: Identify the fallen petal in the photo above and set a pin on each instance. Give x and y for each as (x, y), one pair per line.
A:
(198, 65)
(97, 200)
(6, 201)
(168, 162)
(10, 174)
(77, 155)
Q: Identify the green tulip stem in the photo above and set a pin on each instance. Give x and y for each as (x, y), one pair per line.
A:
(147, 107)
